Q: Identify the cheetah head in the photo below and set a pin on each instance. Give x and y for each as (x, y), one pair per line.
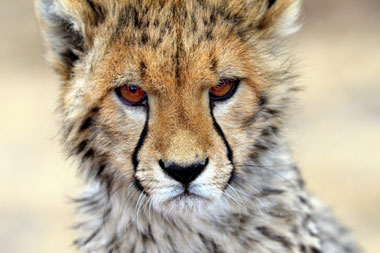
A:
(170, 99)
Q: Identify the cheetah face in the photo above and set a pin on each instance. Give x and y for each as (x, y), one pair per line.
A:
(168, 98)
(181, 121)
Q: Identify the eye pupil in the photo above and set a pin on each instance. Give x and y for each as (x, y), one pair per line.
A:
(131, 95)
(133, 89)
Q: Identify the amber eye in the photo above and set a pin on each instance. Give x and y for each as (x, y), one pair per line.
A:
(224, 90)
(132, 95)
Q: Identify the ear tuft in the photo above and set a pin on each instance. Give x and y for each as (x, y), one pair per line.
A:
(281, 18)
(68, 28)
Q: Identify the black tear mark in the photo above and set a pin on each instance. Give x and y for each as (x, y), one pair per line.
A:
(140, 142)
(228, 147)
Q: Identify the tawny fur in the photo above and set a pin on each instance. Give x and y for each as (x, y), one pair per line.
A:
(250, 197)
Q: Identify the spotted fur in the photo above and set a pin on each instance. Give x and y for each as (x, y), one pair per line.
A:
(250, 197)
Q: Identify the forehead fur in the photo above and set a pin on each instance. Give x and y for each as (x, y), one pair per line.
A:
(71, 27)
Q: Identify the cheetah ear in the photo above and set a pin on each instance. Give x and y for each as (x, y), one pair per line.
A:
(68, 28)
(280, 17)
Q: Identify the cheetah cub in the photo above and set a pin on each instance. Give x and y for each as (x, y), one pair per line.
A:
(174, 110)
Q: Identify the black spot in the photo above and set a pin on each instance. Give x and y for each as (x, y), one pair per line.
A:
(202, 3)
(98, 11)
(302, 200)
(92, 236)
(261, 147)
(86, 124)
(273, 112)
(267, 232)
(303, 248)
(215, 247)
(144, 38)
(142, 69)
(315, 250)
(69, 58)
(113, 244)
(271, 3)
(270, 191)
(168, 26)
(272, 130)
(262, 101)
(81, 146)
(100, 170)
(89, 153)
(301, 182)
(107, 181)
(156, 23)
(137, 21)
(209, 244)
(89, 120)
(95, 109)
(213, 64)
(205, 21)
(209, 34)
(157, 42)
(212, 18)
(177, 61)
(138, 185)
(194, 25)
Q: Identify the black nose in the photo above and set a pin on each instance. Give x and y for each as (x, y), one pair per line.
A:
(183, 174)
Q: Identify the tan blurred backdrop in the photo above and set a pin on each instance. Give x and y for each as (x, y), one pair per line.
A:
(335, 132)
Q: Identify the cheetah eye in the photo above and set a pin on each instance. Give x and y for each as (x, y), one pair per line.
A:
(131, 95)
(224, 90)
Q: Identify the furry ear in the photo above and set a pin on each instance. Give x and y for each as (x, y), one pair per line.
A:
(280, 17)
(68, 27)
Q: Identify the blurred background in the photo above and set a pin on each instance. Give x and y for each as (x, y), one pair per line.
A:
(335, 132)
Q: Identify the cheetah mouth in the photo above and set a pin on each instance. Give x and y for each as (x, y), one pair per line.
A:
(187, 197)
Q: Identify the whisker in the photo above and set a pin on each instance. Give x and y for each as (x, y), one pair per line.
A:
(270, 170)
(137, 208)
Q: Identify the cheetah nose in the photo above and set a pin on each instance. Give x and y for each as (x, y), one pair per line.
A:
(184, 175)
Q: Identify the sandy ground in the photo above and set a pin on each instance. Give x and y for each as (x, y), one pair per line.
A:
(335, 132)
